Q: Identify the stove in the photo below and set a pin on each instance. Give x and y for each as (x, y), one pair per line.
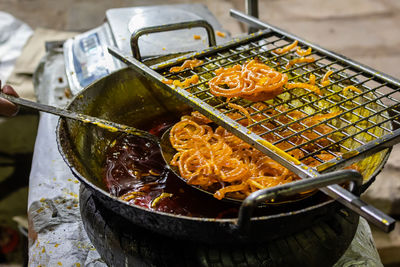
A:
(120, 243)
(86, 56)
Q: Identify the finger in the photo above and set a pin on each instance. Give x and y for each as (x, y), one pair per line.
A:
(6, 107)
(9, 90)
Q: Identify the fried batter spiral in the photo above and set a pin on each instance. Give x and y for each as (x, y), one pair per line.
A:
(299, 60)
(207, 157)
(190, 63)
(287, 48)
(253, 81)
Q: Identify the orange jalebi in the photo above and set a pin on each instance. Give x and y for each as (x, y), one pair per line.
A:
(220, 34)
(188, 81)
(191, 80)
(287, 48)
(207, 157)
(312, 79)
(299, 60)
(303, 53)
(308, 86)
(190, 63)
(325, 80)
(253, 81)
(352, 88)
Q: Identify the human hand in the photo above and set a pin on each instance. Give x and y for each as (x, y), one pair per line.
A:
(6, 107)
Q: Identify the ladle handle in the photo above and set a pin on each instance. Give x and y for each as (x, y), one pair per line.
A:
(105, 124)
(375, 216)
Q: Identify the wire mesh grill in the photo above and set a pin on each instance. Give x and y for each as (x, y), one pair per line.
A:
(355, 118)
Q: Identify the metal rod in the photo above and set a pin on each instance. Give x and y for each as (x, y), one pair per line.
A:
(372, 214)
(252, 10)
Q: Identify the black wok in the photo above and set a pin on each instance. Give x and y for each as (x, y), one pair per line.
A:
(127, 97)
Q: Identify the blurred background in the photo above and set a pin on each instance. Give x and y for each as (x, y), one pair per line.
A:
(366, 31)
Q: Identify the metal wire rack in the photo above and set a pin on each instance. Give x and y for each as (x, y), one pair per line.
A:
(361, 122)
(360, 117)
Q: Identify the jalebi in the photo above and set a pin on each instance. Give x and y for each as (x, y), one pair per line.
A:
(253, 81)
(190, 63)
(207, 157)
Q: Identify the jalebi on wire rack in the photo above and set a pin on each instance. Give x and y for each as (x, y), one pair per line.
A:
(254, 81)
(190, 63)
(216, 158)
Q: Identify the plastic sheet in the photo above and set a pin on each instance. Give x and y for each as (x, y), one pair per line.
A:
(13, 36)
(56, 233)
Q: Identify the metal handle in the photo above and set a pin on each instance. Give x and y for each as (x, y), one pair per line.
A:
(370, 213)
(252, 10)
(384, 222)
(170, 27)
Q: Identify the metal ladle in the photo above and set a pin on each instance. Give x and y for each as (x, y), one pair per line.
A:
(168, 152)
